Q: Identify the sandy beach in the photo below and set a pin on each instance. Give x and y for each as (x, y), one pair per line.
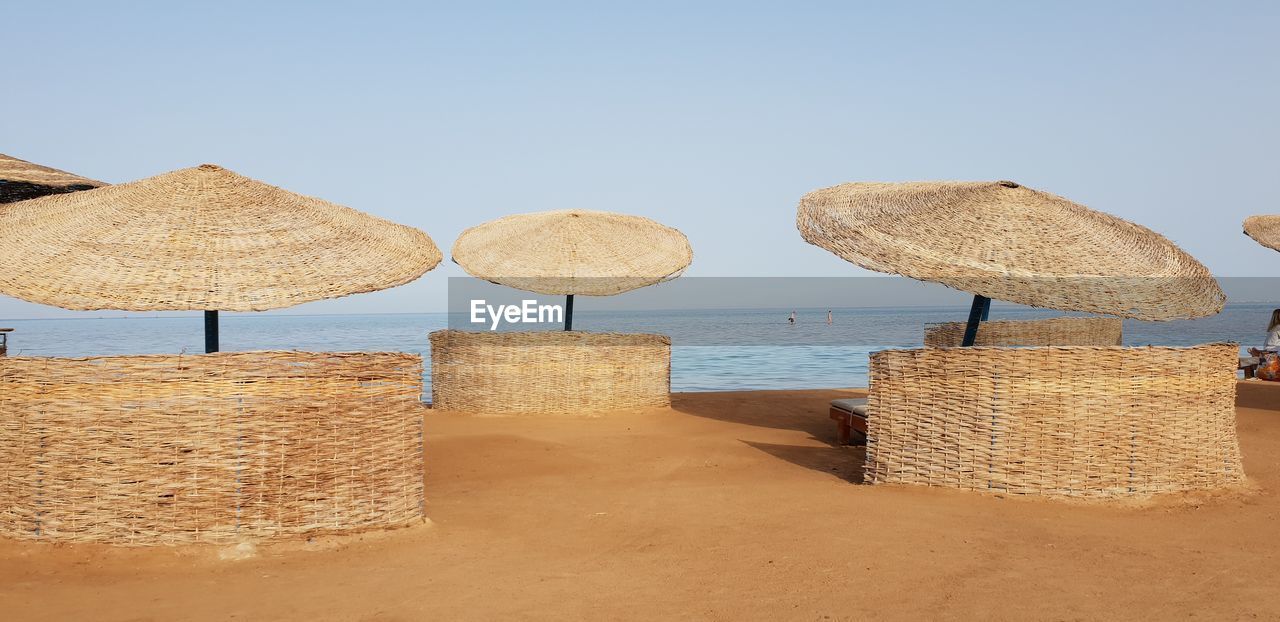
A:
(726, 506)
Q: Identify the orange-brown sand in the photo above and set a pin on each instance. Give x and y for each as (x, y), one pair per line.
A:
(727, 506)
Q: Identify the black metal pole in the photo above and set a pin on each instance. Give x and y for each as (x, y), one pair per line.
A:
(568, 312)
(210, 331)
(978, 312)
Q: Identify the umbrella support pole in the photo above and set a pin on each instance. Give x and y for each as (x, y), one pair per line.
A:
(210, 331)
(568, 312)
(979, 312)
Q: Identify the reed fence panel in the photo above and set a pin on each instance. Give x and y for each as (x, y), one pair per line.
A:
(548, 372)
(1058, 331)
(143, 450)
(1099, 422)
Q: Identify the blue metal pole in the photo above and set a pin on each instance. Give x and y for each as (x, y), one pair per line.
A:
(210, 331)
(978, 312)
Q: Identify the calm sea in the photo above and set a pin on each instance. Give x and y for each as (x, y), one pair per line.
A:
(714, 350)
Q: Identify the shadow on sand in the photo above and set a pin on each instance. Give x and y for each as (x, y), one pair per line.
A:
(1259, 394)
(802, 411)
(842, 462)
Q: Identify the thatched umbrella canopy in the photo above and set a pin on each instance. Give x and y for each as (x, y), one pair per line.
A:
(21, 180)
(1265, 230)
(201, 238)
(570, 252)
(1006, 241)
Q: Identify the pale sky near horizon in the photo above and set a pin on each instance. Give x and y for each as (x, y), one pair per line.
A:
(713, 118)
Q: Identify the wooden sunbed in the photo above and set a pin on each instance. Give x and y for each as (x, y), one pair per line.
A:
(850, 416)
(1249, 364)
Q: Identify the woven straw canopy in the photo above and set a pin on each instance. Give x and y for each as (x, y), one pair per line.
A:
(573, 252)
(201, 238)
(1264, 229)
(1009, 242)
(21, 180)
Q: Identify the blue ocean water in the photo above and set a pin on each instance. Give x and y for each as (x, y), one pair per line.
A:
(713, 350)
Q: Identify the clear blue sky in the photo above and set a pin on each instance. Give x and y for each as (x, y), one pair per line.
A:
(711, 117)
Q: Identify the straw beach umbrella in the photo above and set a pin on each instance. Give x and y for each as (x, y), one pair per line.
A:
(571, 252)
(1265, 230)
(201, 238)
(1006, 241)
(21, 180)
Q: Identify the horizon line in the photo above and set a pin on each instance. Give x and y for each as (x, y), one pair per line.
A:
(242, 314)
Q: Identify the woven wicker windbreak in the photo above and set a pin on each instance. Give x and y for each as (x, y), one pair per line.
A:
(573, 252)
(548, 372)
(1058, 331)
(1096, 422)
(202, 238)
(1265, 230)
(145, 450)
(21, 180)
(1009, 242)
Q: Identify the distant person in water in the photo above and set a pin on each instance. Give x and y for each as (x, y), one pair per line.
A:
(828, 316)
(792, 319)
